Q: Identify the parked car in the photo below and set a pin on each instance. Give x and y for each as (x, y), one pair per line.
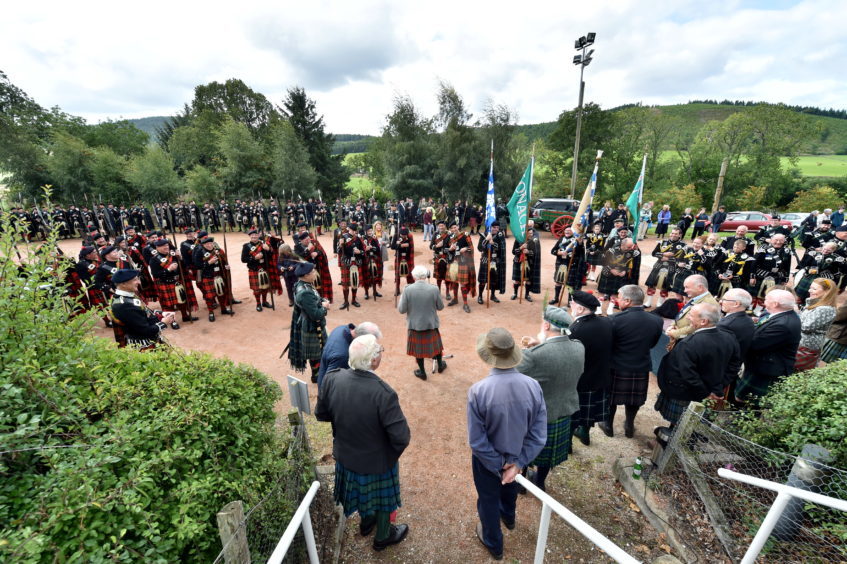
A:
(752, 219)
(796, 218)
(547, 210)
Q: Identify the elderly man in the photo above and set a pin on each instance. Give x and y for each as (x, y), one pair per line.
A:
(634, 333)
(740, 235)
(135, 324)
(696, 288)
(556, 362)
(421, 302)
(507, 429)
(336, 350)
(773, 348)
(369, 433)
(308, 322)
(696, 368)
(734, 305)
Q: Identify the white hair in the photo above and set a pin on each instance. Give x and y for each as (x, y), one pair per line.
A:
(420, 272)
(783, 298)
(743, 296)
(698, 280)
(367, 328)
(363, 350)
(710, 312)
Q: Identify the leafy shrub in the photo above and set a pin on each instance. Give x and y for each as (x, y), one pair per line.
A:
(112, 454)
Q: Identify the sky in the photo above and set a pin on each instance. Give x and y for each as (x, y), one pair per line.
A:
(113, 60)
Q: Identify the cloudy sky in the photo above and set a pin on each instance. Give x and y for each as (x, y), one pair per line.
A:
(125, 59)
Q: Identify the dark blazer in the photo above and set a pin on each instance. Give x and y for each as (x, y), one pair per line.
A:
(740, 324)
(697, 365)
(369, 429)
(773, 350)
(595, 334)
(634, 333)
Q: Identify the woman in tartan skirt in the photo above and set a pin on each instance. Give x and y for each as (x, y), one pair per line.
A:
(370, 434)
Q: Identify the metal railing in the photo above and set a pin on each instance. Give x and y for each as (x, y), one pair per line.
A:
(784, 495)
(301, 517)
(548, 506)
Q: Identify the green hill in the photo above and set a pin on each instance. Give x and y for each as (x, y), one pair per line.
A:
(149, 125)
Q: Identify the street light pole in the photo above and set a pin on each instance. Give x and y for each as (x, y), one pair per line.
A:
(583, 60)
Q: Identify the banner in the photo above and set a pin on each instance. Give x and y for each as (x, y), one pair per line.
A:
(633, 204)
(518, 205)
(580, 219)
(490, 206)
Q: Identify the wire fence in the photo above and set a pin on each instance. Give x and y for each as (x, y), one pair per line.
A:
(257, 531)
(718, 516)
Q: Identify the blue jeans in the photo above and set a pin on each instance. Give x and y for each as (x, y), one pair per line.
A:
(494, 500)
(428, 230)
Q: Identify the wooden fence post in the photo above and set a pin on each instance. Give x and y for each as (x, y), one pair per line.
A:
(233, 534)
(687, 423)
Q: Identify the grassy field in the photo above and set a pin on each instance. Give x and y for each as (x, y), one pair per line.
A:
(821, 165)
(359, 184)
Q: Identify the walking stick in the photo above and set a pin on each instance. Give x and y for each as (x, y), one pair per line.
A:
(488, 278)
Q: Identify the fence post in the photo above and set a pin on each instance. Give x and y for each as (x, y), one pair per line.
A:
(687, 424)
(233, 532)
(807, 474)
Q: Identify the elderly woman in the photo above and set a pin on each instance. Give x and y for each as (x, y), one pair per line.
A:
(815, 319)
(369, 433)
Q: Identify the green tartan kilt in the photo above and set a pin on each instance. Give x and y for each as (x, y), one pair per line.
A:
(752, 385)
(833, 351)
(367, 493)
(312, 343)
(558, 443)
(593, 408)
(671, 409)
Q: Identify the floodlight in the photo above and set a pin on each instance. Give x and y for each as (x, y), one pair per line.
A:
(590, 38)
(577, 59)
(582, 42)
(576, 45)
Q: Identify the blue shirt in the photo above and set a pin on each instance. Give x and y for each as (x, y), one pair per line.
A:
(507, 419)
(336, 353)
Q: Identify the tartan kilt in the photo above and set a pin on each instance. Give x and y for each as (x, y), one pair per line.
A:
(610, 284)
(167, 295)
(440, 269)
(148, 286)
(593, 408)
(96, 298)
(750, 384)
(671, 409)
(653, 278)
(499, 275)
(367, 493)
(193, 305)
(802, 287)
(806, 359)
(558, 443)
(629, 388)
(467, 273)
(373, 279)
(833, 351)
(207, 288)
(253, 277)
(576, 272)
(410, 263)
(594, 259)
(424, 344)
(678, 283)
(345, 276)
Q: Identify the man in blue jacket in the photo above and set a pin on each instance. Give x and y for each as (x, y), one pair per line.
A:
(336, 350)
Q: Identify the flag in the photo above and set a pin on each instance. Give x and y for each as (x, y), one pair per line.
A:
(580, 223)
(633, 204)
(518, 205)
(490, 208)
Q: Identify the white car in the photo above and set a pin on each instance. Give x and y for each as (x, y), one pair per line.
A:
(796, 218)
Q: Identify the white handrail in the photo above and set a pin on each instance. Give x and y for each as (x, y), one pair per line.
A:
(301, 517)
(614, 551)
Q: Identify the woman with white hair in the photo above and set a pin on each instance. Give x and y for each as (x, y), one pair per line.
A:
(369, 433)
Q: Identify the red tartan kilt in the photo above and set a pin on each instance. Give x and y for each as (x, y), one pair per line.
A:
(467, 272)
(254, 281)
(369, 279)
(345, 275)
(189, 290)
(96, 298)
(424, 344)
(207, 287)
(167, 295)
(276, 282)
(440, 269)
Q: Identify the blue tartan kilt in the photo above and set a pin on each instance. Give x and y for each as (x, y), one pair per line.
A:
(558, 443)
(629, 388)
(671, 409)
(367, 493)
(833, 351)
(752, 385)
(593, 408)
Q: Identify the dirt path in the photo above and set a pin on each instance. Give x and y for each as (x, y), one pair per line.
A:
(436, 484)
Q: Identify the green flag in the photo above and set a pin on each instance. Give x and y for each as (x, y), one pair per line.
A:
(518, 206)
(633, 204)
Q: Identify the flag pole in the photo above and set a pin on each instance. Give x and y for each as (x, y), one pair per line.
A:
(487, 232)
(526, 223)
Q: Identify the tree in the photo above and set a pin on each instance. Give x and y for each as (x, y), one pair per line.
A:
(108, 176)
(152, 175)
(244, 170)
(202, 184)
(163, 133)
(69, 165)
(510, 154)
(120, 136)
(597, 129)
(235, 99)
(461, 156)
(194, 144)
(817, 198)
(408, 151)
(292, 172)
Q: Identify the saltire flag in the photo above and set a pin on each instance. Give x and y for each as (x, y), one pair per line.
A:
(580, 224)
(490, 207)
(634, 201)
(518, 205)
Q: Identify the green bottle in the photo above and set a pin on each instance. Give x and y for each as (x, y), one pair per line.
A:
(636, 469)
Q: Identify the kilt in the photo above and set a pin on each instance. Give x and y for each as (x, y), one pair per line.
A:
(345, 276)
(207, 287)
(593, 408)
(750, 384)
(367, 493)
(833, 351)
(424, 344)
(253, 276)
(806, 359)
(96, 298)
(189, 291)
(610, 284)
(595, 258)
(373, 279)
(167, 296)
(440, 269)
(677, 285)
(629, 388)
(653, 278)
(498, 274)
(802, 287)
(671, 409)
(576, 273)
(467, 273)
(558, 443)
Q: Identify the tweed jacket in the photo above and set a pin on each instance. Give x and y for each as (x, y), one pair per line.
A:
(557, 365)
(682, 326)
(421, 303)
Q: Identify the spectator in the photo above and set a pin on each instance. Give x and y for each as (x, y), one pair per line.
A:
(701, 221)
(696, 287)
(740, 234)
(835, 345)
(507, 429)
(336, 350)
(556, 362)
(663, 220)
(685, 222)
(837, 217)
(718, 218)
(810, 222)
(773, 349)
(421, 302)
(645, 218)
(734, 304)
(814, 322)
(369, 434)
(428, 225)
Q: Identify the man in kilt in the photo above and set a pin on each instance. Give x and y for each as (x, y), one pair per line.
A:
(570, 263)
(526, 265)
(440, 262)
(634, 333)
(255, 253)
(667, 252)
(595, 246)
(168, 279)
(373, 263)
(494, 242)
(308, 322)
(369, 434)
(556, 362)
(460, 255)
(403, 245)
(421, 302)
(734, 269)
(273, 243)
(351, 255)
(692, 261)
(310, 250)
(773, 267)
(213, 276)
(135, 324)
(135, 243)
(111, 263)
(619, 266)
(186, 253)
(337, 234)
(823, 263)
(595, 334)
(86, 267)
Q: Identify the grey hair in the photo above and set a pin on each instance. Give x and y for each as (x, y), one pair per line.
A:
(743, 296)
(367, 328)
(363, 350)
(698, 279)
(783, 298)
(633, 293)
(420, 272)
(709, 312)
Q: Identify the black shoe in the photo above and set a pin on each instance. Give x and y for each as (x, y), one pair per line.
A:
(553, 302)
(480, 301)
(367, 297)
(356, 304)
(236, 302)
(108, 323)
(581, 433)
(314, 378)
(532, 476)
(494, 555)
(267, 305)
(508, 524)
(189, 319)
(467, 308)
(528, 298)
(607, 428)
(494, 299)
(514, 296)
(366, 527)
(258, 307)
(377, 294)
(345, 305)
(629, 429)
(174, 325)
(396, 534)
(453, 302)
(211, 316)
(442, 366)
(396, 292)
(228, 311)
(420, 373)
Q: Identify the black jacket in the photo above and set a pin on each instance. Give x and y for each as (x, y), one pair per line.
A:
(634, 333)
(369, 429)
(595, 333)
(773, 350)
(698, 364)
(742, 326)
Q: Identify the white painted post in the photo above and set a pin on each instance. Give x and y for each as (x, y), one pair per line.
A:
(299, 518)
(543, 528)
(309, 535)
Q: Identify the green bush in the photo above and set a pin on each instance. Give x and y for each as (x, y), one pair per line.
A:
(112, 454)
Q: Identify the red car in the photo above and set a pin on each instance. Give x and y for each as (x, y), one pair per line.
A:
(752, 219)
